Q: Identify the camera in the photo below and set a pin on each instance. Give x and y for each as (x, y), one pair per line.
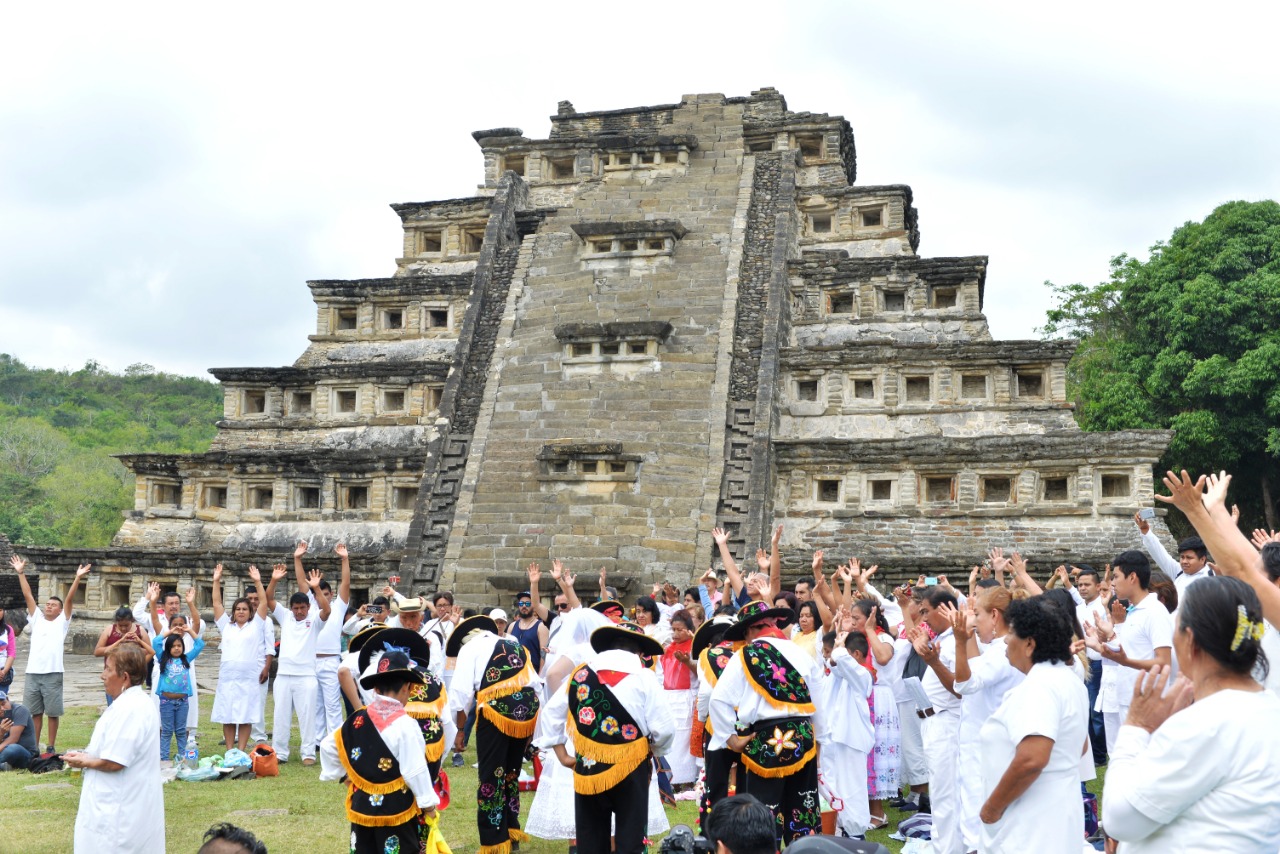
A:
(374, 609)
(682, 841)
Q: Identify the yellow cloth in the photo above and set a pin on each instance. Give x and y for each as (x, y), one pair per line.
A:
(435, 843)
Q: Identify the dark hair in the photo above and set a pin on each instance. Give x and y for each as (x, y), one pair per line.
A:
(129, 661)
(299, 598)
(469, 612)
(817, 615)
(57, 599)
(324, 585)
(380, 600)
(988, 582)
(646, 603)
(1165, 590)
(1041, 620)
(829, 639)
(693, 591)
(743, 824)
(1210, 611)
(857, 644)
(1085, 569)
(790, 598)
(683, 616)
(865, 606)
(1193, 544)
(725, 609)
(166, 656)
(389, 683)
(1271, 560)
(122, 613)
(808, 582)
(232, 835)
(170, 594)
(438, 595)
(939, 596)
(1062, 600)
(1134, 563)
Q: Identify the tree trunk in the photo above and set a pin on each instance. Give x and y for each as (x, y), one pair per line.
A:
(1268, 505)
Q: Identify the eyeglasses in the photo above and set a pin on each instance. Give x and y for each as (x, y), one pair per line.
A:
(562, 606)
(524, 604)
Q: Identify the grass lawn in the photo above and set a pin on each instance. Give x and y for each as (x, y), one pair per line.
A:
(314, 821)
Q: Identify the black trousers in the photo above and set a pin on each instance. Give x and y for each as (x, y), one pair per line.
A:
(793, 799)
(716, 784)
(628, 801)
(497, 792)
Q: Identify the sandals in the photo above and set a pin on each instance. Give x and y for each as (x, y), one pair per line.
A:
(879, 821)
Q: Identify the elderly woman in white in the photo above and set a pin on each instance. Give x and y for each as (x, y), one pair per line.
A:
(1031, 746)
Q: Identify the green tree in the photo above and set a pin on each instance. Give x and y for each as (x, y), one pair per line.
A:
(1189, 340)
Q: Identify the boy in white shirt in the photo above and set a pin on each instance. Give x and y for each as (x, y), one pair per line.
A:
(328, 711)
(43, 692)
(300, 625)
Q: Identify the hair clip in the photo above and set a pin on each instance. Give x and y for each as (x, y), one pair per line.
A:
(1246, 629)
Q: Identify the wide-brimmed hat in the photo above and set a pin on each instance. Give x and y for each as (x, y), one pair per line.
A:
(409, 606)
(407, 641)
(752, 613)
(608, 605)
(463, 631)
(607, 637)
(385, 665)
(360, 638)
(711, 632)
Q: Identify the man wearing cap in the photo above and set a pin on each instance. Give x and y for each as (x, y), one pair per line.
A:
(328, 711)
(529, 630)
(499, 618)
(493, 675)
(17, 736)
(763, 707)
(411, 614)
(613, 710)
(713, 653)
(391, 803)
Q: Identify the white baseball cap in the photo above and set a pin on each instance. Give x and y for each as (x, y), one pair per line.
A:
(498, 616)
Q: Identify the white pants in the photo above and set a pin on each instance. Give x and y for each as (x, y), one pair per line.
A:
(940, 735)
(258, 731)
(1111, 722)
(915, 765)
(844, 770)
(294, 694)
(328, 697)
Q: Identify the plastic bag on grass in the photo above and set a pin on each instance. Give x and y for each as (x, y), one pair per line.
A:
(236, 759)
(198, 775)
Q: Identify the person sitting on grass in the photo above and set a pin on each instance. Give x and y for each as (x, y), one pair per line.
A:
(175, 686)
(17, 737)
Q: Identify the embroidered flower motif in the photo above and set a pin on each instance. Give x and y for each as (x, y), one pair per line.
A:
(384, 764)
(493, 674)
(586, 763)
(722, 661)
(357, 723)
(629, 732)
(586, 715)
(580, 676)
(782, 741)
(609, 726)
(779, 672)
(355, 754)
(392, 846)
(583, 693)
(353, 842)
(376, 800)
(486, 790)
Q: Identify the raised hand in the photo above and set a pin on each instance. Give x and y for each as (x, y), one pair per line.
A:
(340, 550)
(19, 565)
(535, 575)
(1017, 564)
(657, 588)
(1184, 494)
(557, 570)
(153, 592)
(960, 622)
(83, 570)
(998, 561)
(1235, 513)
(217, 574)
(314, 578)
(777, 536)
(254, 574)
(1216, 495)
(817, 563)
(301, 549)
(762, 560)
(1143, 527)
(871, 618)
(279, 571)
(191, 596)
(720, 535)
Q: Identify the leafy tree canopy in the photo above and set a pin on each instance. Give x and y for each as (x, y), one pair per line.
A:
(1190, 340)
(59, 485)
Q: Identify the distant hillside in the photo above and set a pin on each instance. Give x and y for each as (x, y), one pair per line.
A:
(59, 485)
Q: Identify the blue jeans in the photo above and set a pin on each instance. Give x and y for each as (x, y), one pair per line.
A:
(16, 755)
(1097, 731)
(173, 722)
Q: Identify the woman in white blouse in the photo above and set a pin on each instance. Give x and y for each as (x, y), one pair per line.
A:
(238, 702)
(1031, 746)
(1197, 767)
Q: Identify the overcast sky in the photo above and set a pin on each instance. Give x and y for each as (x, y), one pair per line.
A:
(172, 175)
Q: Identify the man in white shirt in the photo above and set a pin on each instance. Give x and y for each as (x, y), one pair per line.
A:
(620, 721)
(941, 721)
(1193, 558)
(1090, 608)
(42, 694)
(328, 711)
(300, 625)
(258, 732)
(1145, 638)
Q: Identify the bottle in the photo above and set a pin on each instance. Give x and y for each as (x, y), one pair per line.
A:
(193, 755)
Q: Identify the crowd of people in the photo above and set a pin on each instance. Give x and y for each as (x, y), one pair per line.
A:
(986, 707)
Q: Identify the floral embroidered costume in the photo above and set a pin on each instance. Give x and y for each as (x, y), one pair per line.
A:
(494, 676)
(613, 711)
(764, 695)
(713, 654)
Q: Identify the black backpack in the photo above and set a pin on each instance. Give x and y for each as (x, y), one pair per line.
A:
(45, 763)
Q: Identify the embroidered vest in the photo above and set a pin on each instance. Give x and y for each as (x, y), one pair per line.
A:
(376, 794)
(711, 663)
(426, 706)
(606, 737)
(771, 675)
(506, 698)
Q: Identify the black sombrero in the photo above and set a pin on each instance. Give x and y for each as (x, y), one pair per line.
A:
(752, 613)
(390, 664)
(608, 605)
(360, 638)
(407, 641)
(710, 633)
(479, 622)
(605, 637)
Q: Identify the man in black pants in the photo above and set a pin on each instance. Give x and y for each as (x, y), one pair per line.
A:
(614, 711)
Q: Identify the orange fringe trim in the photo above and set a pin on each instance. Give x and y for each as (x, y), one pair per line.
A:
(784, 771)
(602, 782)
(500, 848)
(507, 686)
(379, 820)
(518, 835)
(418, 710)
(799, 709)
(360, 782)
(515, 729)
(435, 749)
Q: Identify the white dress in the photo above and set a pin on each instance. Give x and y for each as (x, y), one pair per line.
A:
(238, 699)
(123, 811)
(551, 813)
(1207, 780)
(1048, 818)
(991, 677)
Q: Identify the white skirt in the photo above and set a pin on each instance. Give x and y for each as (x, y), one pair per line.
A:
(551, 813)
(684, 767)
(238, 699)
